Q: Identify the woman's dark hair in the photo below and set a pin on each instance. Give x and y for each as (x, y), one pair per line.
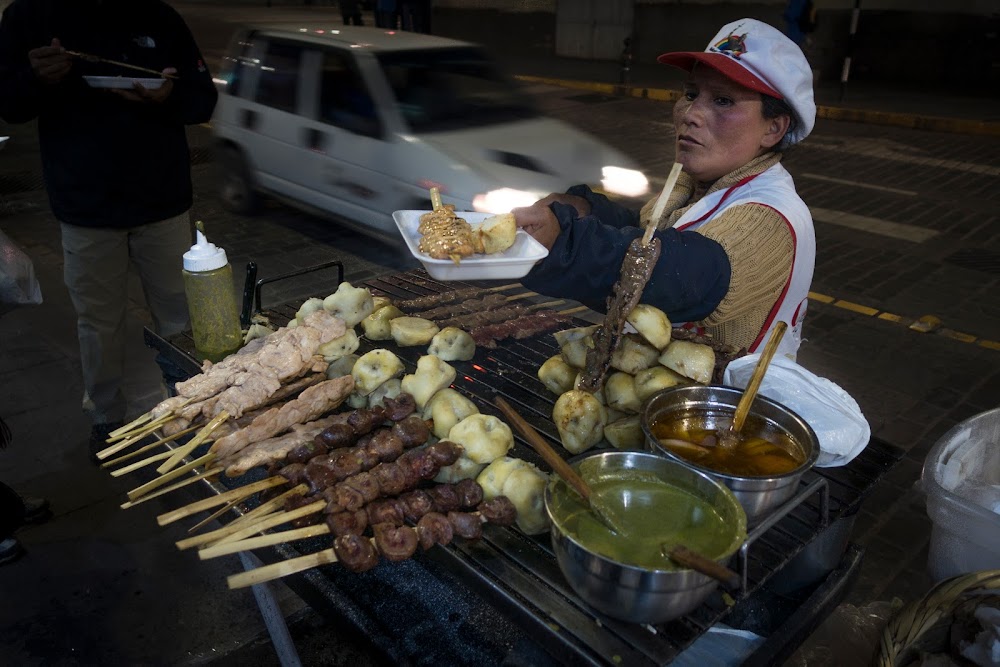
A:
(772, 107)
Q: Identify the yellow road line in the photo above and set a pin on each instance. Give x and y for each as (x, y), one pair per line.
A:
(856, 307)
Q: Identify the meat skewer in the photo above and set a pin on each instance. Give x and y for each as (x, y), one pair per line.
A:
(522, 327)
(469, 306)
(493, 316)
(441, 298)
(637, 267)
(358, 553)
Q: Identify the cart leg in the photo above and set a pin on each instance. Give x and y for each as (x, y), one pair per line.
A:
(273, 618)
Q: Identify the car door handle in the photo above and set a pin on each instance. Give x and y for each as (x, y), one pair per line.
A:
(314, 139)
(248, 119)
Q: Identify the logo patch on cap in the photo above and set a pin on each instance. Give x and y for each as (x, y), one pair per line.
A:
(734, 45)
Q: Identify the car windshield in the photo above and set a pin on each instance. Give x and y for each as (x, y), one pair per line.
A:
(447, 89)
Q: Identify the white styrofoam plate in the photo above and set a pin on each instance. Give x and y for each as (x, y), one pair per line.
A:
(122, 82)
(3, 142)
(514, 262)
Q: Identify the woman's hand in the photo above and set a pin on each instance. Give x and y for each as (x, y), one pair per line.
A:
(539, 220)
(140, 93)
(50, 63)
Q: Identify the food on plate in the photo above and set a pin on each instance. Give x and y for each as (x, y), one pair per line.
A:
(444, 235)
(495, 234)
(407, 330)
(432, 375)
(580, 418)
(633, 354)
(692, 360)
(557, 375)
(620, 393)
(484, 438)
(446, 408)
(373, 368)
(452, 344)
(625, 433)
(376, 326)
(349, 303)
(652, 380)
(652, 324)
(338, 348)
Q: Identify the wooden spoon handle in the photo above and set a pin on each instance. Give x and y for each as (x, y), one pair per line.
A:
(693, 560)
(743, 408)
(539, 444)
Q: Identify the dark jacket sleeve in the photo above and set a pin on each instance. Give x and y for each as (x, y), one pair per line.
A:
(194, 95)
(608, 212)
(688, 283)
(21, 93)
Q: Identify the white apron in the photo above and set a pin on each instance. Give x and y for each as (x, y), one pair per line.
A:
(773, 188)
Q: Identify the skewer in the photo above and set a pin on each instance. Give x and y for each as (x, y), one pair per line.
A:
(435, 199)
(221, 499)
(284, 568)
(173, 487)
(172, 475)
(573, 311)
(216, 514)
(224, 549)
(141, 464)
(503, 287)
(269, 521)
(270, 506)
(184, 450)
(547, 304)
(146, 448)
(136, 436)
(661, 202)
(98, 59)
(135, 423)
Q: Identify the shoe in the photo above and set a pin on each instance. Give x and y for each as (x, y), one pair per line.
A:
(10, 550)
(99, 438)
(36, 510)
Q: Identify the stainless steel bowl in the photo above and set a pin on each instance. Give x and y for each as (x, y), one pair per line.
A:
(627, 592)
(716, 404)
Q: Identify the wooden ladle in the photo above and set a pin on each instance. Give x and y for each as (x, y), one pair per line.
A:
(558, 464)
(731, 437)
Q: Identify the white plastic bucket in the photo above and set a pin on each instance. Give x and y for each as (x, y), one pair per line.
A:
(961, 478)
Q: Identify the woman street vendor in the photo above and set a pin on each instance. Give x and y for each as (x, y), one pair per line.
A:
(738, 245)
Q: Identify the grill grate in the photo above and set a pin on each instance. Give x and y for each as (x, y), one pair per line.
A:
(520, 572)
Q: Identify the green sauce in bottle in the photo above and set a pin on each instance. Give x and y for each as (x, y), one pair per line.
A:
(211, 297)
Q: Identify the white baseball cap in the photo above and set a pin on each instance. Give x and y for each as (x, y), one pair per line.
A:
(759, 57)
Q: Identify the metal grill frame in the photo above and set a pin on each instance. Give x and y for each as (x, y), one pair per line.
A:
(518, 572)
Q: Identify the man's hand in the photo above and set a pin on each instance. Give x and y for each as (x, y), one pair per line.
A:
(581, 205)
(140, 93)
(50, 63)
(539, 221)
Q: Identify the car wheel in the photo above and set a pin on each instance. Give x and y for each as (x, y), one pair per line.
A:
(237, 188)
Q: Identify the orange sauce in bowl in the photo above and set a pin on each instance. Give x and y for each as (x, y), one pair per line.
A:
(763, 449)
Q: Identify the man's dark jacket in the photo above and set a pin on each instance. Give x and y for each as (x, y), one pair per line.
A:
(108, 162)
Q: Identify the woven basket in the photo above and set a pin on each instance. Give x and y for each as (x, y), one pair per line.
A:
(924, 625)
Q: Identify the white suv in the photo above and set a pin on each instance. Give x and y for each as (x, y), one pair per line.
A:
(360, 122)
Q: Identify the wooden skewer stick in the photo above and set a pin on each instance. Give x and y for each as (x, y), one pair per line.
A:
(574, 311)
(173, 487)
(98, 59)
(145, 448)
(547, 304)
(141, 434)
(269, 521)
(141, 464)
(661, 202)
(135, 423)
(144, 429)
(221, 499)
(435, 199)
(278, 570)
(266, 508)
(501, 288)
(193, 444)
(140, 491)
(225, 549)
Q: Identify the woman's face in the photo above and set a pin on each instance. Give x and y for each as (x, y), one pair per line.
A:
(720, 126)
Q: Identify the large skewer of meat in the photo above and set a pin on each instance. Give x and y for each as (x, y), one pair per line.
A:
(637, 267)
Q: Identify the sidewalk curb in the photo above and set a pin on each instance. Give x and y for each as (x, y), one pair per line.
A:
(870, 116)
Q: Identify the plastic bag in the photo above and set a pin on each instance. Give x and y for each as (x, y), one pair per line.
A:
(836, 417)
(18, 284)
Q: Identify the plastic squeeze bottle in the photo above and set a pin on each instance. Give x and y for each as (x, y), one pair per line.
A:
(208, 284)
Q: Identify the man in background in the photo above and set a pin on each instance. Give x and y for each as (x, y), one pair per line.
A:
(115, 162)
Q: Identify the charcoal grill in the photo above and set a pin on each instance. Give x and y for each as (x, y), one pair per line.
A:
(504, 596)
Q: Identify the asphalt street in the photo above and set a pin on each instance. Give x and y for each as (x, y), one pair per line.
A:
(907, 231)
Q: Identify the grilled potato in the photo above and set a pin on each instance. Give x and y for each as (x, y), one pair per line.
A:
(620, 394)
(484, 437)
(339, 348)
(652, 324)
(692, 360)
(432, 375)
(525, 487)
(557, 375)
(633, 355)
(626, 433)
(575, 351)
(452, 344)
(446, 408)
(349, 303)
(495, 234)
(373, 368)
(580, 418)
(408, 330)
(376, 326)
(463, 468)
(652, 380)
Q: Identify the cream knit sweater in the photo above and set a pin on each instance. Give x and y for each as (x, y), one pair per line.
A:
(758, 243)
